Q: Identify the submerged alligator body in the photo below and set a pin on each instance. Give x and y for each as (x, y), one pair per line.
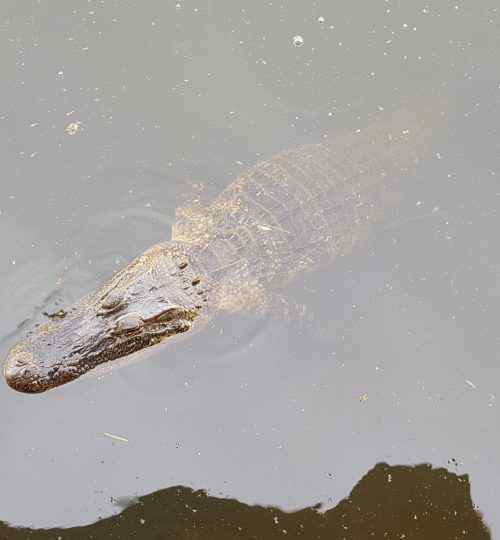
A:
(285, 215)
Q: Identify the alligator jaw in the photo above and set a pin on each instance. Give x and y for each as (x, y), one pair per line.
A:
(32, 367)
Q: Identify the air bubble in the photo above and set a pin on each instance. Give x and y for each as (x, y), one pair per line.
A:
(297, 41)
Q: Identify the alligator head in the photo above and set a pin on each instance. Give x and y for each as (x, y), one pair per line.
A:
(156, 296)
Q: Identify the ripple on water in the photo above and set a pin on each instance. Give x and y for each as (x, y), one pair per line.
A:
(77, 256)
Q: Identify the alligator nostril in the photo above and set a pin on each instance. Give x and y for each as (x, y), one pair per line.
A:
(21, 370)
(26, 373)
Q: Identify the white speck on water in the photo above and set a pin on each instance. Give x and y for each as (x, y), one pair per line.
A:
(321, 20)
(297, 41)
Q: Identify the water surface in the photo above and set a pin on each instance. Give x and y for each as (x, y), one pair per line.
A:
(266, 411)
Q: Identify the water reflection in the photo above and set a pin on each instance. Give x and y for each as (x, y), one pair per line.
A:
(388, 502)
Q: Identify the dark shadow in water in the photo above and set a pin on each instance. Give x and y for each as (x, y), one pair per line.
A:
(389, 502)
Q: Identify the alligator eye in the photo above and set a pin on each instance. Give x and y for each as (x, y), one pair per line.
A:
(112, 299)
(127, 322)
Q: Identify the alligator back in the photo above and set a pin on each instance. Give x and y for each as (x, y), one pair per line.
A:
(301, 207)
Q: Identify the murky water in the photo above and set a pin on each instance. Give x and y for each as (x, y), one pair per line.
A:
(396, 359)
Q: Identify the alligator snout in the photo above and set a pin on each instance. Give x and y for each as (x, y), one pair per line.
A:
(20, 370)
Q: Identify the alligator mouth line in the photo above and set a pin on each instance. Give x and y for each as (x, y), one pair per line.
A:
(23, 373)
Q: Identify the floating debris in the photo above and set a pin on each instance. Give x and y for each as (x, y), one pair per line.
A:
(110, 435)
(73, 127)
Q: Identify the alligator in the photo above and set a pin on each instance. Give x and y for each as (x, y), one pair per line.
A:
(284, 216)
